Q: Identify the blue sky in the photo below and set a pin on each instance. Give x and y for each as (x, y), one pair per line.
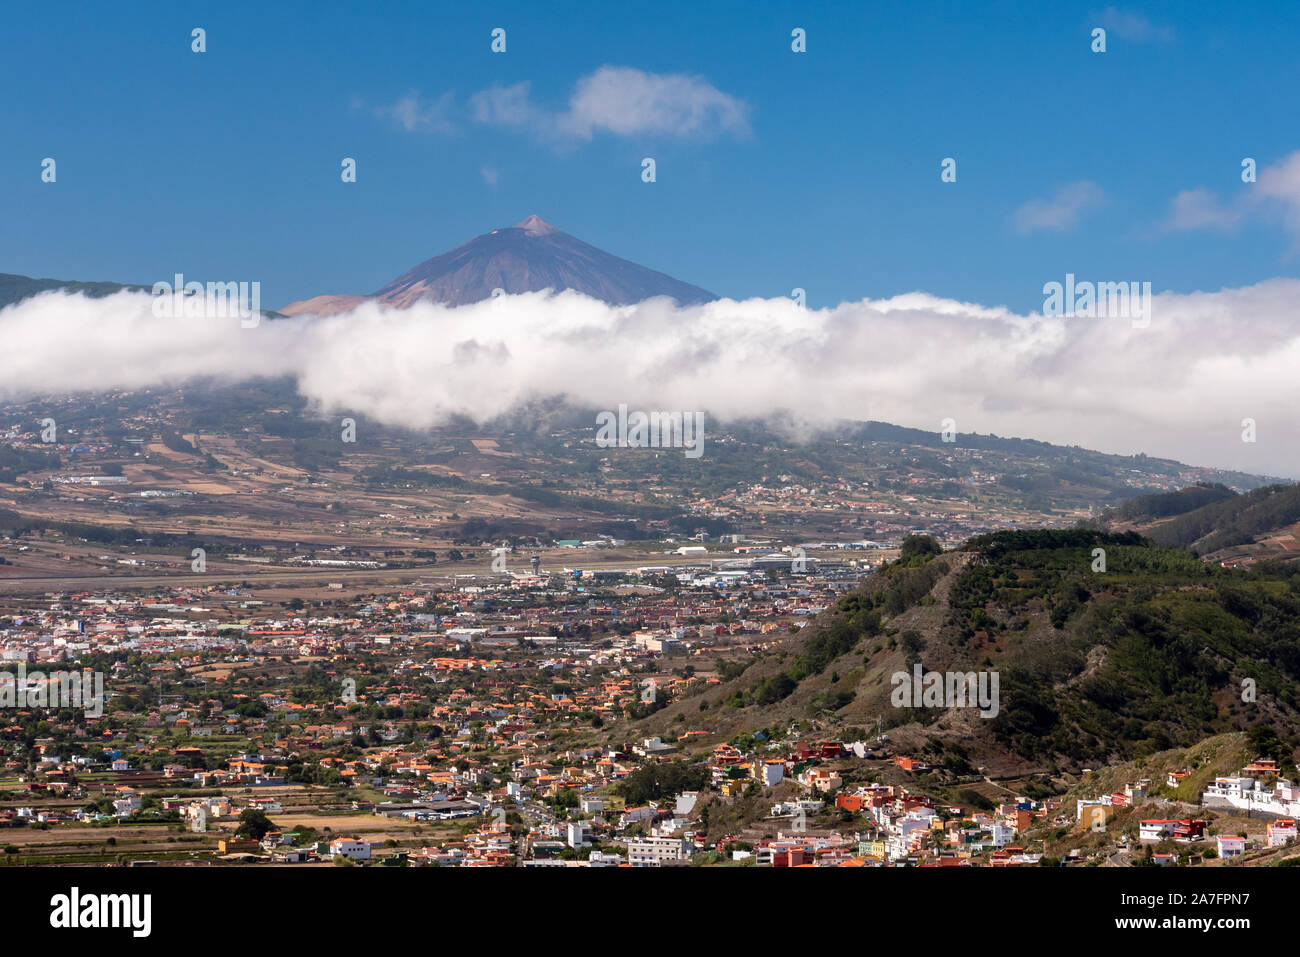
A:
(818, 170)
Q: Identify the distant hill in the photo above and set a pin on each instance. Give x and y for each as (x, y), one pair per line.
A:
(1168, 504)
(1217, 522)
(15, 288)
(530, 256)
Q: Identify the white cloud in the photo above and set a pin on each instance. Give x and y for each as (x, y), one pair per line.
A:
(1062, 211)
(618, 100)
(416, 114)
(1133, 27)
(627, 102)
(1278, 191)
(504, 106)
(622, 101)
(1274, 196)
(1200, 209)
(1178, 388)
(490, 175)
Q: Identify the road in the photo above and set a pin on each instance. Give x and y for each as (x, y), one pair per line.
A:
(313, 575)
(310, 575)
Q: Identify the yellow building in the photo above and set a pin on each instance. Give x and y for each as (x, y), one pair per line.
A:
(1096, 816)
(872, 849)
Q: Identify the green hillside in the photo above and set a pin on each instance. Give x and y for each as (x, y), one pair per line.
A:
(1147, 508)
(1148, 655)
(1236, 520)
(1094, 667)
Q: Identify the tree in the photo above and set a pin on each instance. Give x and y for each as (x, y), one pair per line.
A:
(1264, 739)
(253, 823)
(919, 547)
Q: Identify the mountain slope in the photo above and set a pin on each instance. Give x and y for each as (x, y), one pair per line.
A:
(1260, 524)
(1149, 508)
(1093, 667)
(15, 288)
(530, 256)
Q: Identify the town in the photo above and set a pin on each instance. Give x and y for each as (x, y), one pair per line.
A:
(468, 721)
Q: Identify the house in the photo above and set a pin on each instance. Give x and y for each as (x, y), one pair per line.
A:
(579, 834)
(1261, 766)
(785, 852)
(769, 772)
(725, 755)
(1281, 831)
(1155, 830)
(637, 815)
(1095, 814)
(235, 845)
(824, 750)
(274, 839)
(1235, 786)
(654, 748)
(654, 851)
(821, 779)
(1159, 829)
(289, 855)
(790, 857)
(849, 802)
(1001, 834)
(1186, 831)
(1231, 846)
(356, 850)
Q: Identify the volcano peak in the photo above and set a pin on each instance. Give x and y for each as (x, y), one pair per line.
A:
(534, 225)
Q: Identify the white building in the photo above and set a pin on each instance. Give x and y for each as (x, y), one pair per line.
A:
(1231, 846)
(770, 773)
(357, 850)
(1231, 787)
(579, 834)
(653, 851)
(1249, 795)
(1281, 831)
(1002, 834)
(1156, 829)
